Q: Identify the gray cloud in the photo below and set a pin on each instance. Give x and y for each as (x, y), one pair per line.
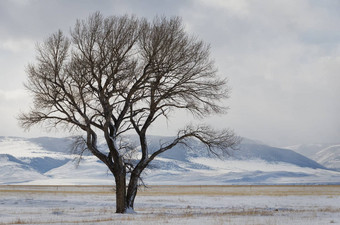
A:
(282, 58)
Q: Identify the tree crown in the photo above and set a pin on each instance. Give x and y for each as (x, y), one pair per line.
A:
(117, 74)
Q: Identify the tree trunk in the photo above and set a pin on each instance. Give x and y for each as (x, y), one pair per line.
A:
(120, 178)
(132, 190)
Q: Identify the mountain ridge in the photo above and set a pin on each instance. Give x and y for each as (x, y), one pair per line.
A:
(47, 160)
(327, 155)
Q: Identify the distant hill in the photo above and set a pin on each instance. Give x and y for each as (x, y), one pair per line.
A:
(327, 155)
(247, 150)
(308, 150)
(14, 171)
(47, 160)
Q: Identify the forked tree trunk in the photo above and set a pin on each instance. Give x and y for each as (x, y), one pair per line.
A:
(120, 179)
(125, 198)
(132, 190)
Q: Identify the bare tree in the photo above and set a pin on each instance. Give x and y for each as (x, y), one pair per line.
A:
(118, 74)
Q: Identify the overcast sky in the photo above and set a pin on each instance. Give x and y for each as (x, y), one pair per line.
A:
(282, 59)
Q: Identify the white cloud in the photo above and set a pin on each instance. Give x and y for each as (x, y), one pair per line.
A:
(282, 60)
(239, 7)
(16, 45)
(12, 95)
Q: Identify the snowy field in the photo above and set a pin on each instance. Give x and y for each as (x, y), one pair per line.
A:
(271, 205)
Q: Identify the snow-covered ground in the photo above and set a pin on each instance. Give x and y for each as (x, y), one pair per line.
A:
(272, 205)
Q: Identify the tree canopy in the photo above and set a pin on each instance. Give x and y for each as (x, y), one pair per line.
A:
(117, 74)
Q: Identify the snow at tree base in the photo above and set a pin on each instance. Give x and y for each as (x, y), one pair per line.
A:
(49, 161)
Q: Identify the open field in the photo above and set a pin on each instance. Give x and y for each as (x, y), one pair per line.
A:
(172, 205)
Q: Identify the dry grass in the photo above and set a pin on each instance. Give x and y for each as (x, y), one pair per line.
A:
(20, 221)
(241, 190)
(163, 190)
(55, 189)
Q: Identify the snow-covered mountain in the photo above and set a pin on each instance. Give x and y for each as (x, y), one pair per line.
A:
(49, 161)
(308, 150)
(327, 155)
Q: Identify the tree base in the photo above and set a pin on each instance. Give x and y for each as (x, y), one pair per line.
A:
(130, 211)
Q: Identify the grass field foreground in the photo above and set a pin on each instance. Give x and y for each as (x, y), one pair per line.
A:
(271, 205)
